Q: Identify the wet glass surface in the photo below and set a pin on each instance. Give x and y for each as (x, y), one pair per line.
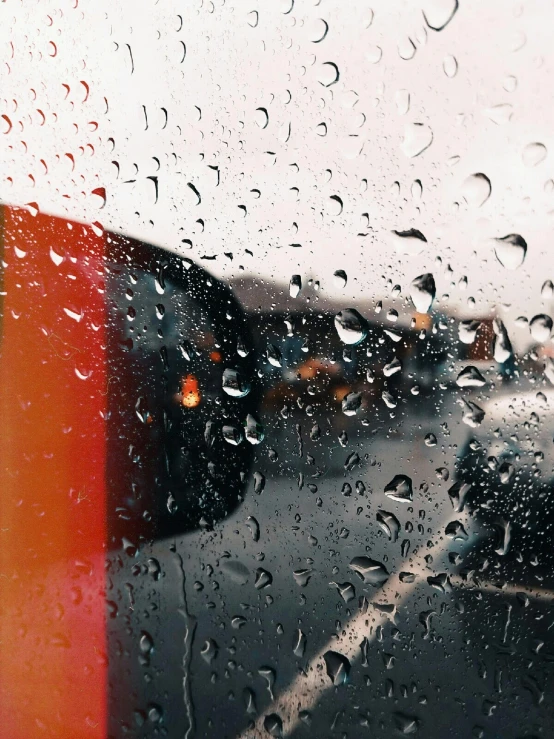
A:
(277, 369)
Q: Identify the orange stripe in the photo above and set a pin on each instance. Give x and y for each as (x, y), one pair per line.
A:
(52, 491)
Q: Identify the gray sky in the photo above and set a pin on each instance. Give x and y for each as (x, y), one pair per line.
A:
(131, 54)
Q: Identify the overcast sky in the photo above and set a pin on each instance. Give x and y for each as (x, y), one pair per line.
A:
(238, 99)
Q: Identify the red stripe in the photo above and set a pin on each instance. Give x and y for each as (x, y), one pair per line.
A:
(53, 671)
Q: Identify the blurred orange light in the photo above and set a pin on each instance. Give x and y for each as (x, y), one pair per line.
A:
(215, 356)
(190, 391)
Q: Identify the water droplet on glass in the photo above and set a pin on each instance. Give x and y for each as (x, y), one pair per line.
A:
(232, 435)
(263, 578)
(392, 367)
(302, 577)
(340, 278)
(274, 355)
(547, 290)
(351, 403)
(235, 570)
(499, 114)
(406, 49)
(417, 138)
(476, 189)
(510, 250)
(422, 292)
(328, 74)
(369, 570)
(373, 54)
(209, 651)
(430, 440)
(351, 326)
(253, 430)
(455, 530)
(273, 724)
(457, 494)
(501, 345)
(235, 384)
(411, 242)
(470, 377)
(346, 590)
(405, 724)
(389, 523)
(472, 414)
(400, 488)
(254, 527)
(299, 643)
(467, 330)
(540, 327)
(533, 154)
(402, 98)
(259, 483)
(269, 675)
(295, 286)
(503, 530)
(439, 13)
(337, 666)
(450, 66)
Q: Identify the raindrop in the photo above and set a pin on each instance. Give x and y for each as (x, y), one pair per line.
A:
(510, 250)
(337, 666)
(540, 327)
(476, 189)
(340, 278)
(351, 403)
(369, 570)
(439, 13)
(502, 346)
(392, 367)
(235, 570)
(273, 724)
(299, 643)
(456, 531)
(234, 384)
(472, 414)
(417, 138)
(470, 377)
(499, 114)
(318, 30)
(389, 523)
(274, 356)
(533, 154)
(351, 326)
(253, 430)
(261, 117)
(232, 435)
(457, 494)
(547, 290)
(263, 578)
(411, 242)
(406, 49)
(254, 527)
(295, 286)
(302, 577)
(400, 488)
(328, 74)
(405, 724)
(467, 331)
(209, 651)
(422, 292)
(503, 530)
(402, 98)
(346, 590)
(374, 54)
(450, 66)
